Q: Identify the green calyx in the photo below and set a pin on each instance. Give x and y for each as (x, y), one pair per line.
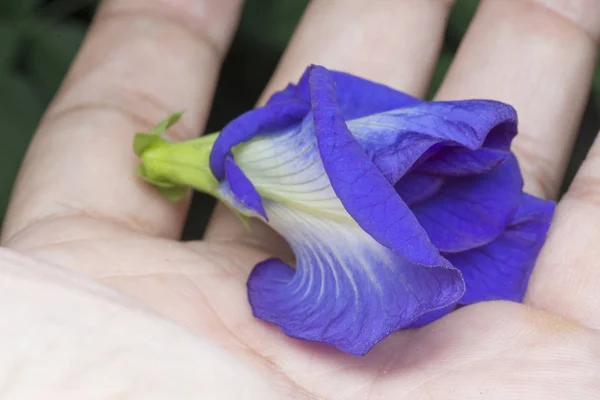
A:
(175, 167)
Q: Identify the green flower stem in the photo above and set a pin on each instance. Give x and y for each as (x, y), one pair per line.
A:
(175, 167)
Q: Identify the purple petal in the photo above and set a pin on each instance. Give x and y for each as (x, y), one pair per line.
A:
(242, 188)
(471, 211)
(356, 97)
(415, 187)
(261, 120)
(365, 193)
(501, 269)
(347, 290)
(460, 161)
(283, 95)
(397, 139)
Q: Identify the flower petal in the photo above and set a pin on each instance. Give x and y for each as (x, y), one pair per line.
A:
(501, 269)
(396, 140)
(252, 123)
(288, 169)
(347, 290)
(415, 187)
(242, 189)
(365, 193)
(356, 97)
(471, 211)
(461, 161)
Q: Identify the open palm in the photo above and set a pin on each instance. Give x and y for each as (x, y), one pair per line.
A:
(78, 203)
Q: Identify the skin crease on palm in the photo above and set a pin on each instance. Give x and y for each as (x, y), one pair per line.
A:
(167, 319)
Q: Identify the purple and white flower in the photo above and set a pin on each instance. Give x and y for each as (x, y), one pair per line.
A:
(398, 210)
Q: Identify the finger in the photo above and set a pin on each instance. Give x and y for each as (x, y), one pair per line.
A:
(539, 57)
(392, 42)
(142, 60)
(567, 278)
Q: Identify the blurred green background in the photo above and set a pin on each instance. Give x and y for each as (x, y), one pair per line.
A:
(38, 39)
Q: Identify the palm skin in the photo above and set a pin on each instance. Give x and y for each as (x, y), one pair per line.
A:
(495, 350)
(78, 204)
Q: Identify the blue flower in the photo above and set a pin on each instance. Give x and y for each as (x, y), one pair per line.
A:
(398, 210)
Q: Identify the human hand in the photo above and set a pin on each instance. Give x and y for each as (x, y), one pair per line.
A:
(74, 207)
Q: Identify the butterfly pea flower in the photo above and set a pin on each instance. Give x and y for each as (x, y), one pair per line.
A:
(398, 210)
